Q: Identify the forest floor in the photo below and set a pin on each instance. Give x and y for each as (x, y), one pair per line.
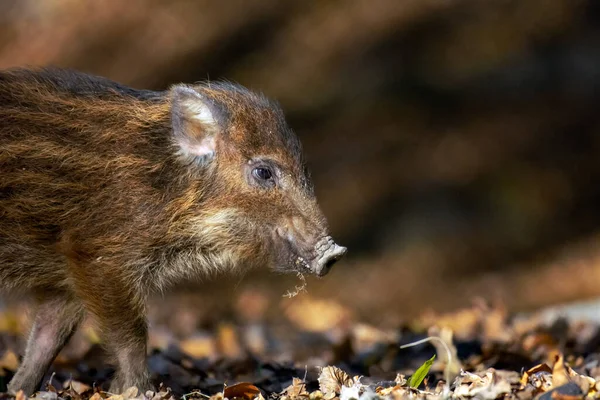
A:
(319, 353)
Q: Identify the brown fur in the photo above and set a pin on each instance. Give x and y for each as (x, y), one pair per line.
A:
(100, 204)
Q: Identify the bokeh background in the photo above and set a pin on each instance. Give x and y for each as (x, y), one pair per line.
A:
(454, 144)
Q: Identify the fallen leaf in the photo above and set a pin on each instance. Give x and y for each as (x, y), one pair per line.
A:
(485, 385)
(296, 389)
(130, 393)
(316, 395)
(534, 370)
(387, 391)
(243, 390)
(331, 380)
(46, 395)
(560, 375)
(76, 386)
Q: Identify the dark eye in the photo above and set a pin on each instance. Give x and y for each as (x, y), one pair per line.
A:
(262, 173)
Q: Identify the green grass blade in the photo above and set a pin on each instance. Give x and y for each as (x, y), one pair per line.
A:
(417, 378)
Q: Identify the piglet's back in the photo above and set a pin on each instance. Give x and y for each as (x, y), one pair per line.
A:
(81, 161)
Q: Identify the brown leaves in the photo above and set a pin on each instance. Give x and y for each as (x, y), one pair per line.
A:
(71, 393)
(490, 384)
(367, 349)
(296, 390)
(241, 391)
(544, 379)
(537, 379)
(128, 394)
(331, 380)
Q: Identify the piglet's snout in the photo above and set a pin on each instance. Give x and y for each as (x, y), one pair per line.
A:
(329, 255)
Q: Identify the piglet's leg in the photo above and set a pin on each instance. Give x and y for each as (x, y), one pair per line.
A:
(127, 342)
(55, 321)
(120, 314)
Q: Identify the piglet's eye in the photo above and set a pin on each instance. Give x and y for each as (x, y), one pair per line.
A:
(262, 173)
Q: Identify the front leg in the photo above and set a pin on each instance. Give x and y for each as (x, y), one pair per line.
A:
(128, 344)
(119, 310)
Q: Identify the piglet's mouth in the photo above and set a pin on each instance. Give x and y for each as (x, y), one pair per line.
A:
(327, 254)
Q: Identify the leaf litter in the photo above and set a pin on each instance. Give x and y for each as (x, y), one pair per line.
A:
(477, 353)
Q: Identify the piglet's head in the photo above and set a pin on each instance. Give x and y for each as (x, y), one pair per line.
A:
(256, 204)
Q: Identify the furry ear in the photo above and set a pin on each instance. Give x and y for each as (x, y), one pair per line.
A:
(196, 123)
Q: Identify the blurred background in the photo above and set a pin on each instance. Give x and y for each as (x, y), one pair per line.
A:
(454, 144)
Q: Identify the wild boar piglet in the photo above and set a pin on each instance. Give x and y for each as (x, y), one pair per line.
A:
(109, 193)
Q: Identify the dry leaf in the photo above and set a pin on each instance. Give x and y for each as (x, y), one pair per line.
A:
(296, 389)
(400, 380)
(76, 386)
(388, 390)
(534, 370)
(130, 393)
(331, 380)
(243, 390)
(46, 395)
(488, 386)
(539, 378)
(20, 395)
(164, 393)
(316, 395)
(560, 375)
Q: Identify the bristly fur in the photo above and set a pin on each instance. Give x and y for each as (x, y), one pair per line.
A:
(98, 208)
(77, 148)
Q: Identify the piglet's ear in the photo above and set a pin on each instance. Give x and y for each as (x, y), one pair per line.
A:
(196, 123)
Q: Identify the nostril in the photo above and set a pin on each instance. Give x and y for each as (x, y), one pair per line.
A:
(329, 263)
(337, 253)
